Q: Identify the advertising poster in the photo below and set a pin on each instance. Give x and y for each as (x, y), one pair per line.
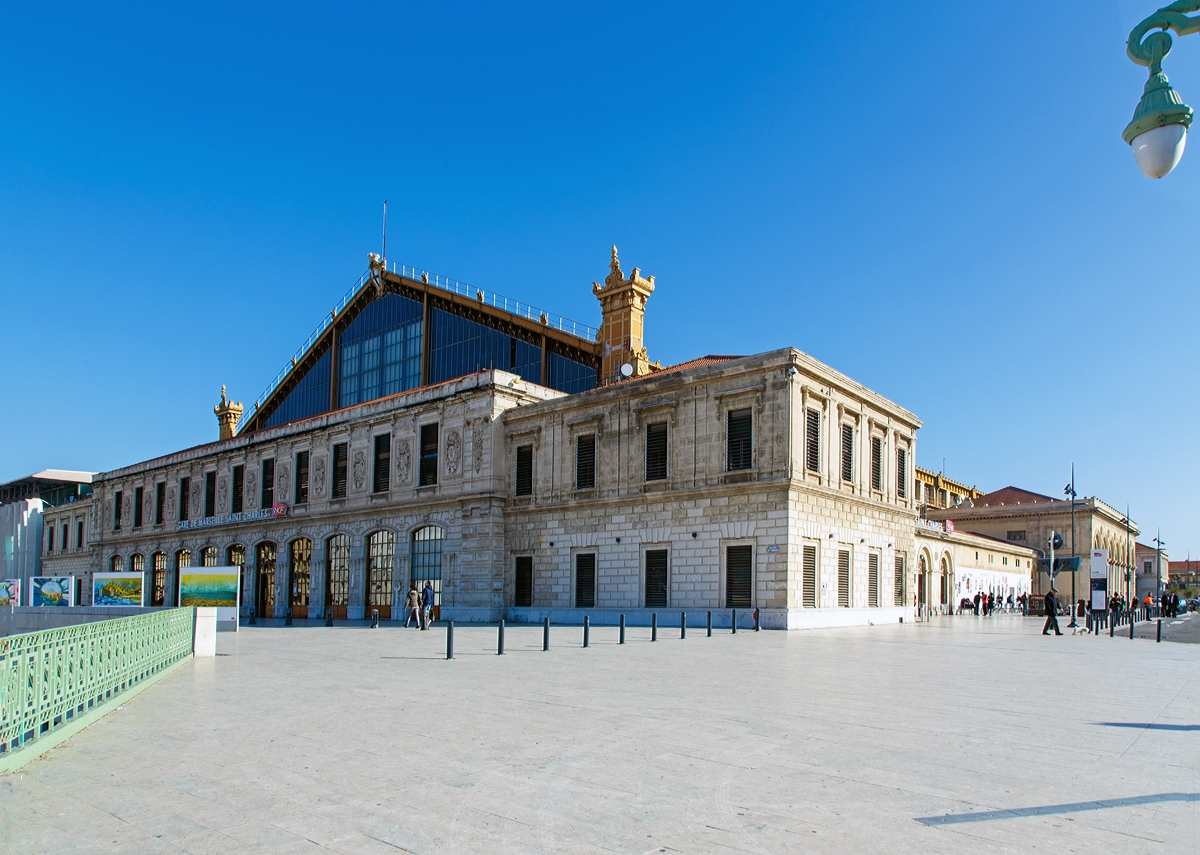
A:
(10, 592)
(52, 591)
(212, 586)
(116, 589)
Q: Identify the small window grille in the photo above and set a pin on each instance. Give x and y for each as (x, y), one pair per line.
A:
(524, 478)
(238, 492)
(844, 578)
(738, 560)
(120, 498)
(138, 497)
(656, 451)
(338, 485)
(738, 437)
(160, 501)
(877, 464)
(208, 556)
(523, 594)
(873, 580)
(429, 455)
(585, 581)
(381, 476)
(901, 473)
(268, 484)
(656, 579)
(847, 452)
(585, 462)
(115, 564)
(301, 497)
(337, 562)
(158, 578)
(210, 494)
(812, 440)
(810, 577)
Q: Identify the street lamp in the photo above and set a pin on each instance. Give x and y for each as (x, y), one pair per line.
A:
(1158, 131)
(1128, 554)
(1069, 490)
(1158, 540)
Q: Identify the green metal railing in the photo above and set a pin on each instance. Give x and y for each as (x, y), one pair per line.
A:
(55, 682)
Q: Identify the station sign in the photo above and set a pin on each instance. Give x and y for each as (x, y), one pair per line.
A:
(233, 519)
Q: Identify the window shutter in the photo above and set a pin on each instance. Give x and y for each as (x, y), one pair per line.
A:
(138, 496)
(901, 473)
(585, 462)
(873, 580)
(301, 477)
(429, 455)
(585, 581)
(844, 578)
(268, 484)
(210, 494)
(898, 581)
(877, 464)
(524, 582)
(239, 479)
(656, 451)
(738, 577)
(812, 441)
(185, 489)
(383, 463)
(524, 481)
(809, 594)
(656, 579)
(847, 452)
(738, 438)
(338, 485)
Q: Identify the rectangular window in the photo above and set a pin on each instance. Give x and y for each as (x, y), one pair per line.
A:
(429, 455)
(901, 473)
(809, 600)
(585, 462)
(877, 464)
(66, 532)
(844, 578)
(523, 594)
(382, 474)
(873, 580)
(185, 490)
(738, 560)
(1017, 535)
(210, 494)
(929, 494)
(954, 497)
(160, 500)
(301, 496)
(812, 440)
(524, 480)
(656, 451)
(585, 581)
(737, 436)
(268, 483)
(941, 498)
(138, 497)
(79, 535)
(50, 538)
(339, 471)
(120, 498)
(656, 578)
(847, 453)
(239, 487)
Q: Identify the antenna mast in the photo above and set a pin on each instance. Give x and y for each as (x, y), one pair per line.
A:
(384, 259)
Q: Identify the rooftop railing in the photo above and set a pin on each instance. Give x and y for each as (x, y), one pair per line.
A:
(488, 298)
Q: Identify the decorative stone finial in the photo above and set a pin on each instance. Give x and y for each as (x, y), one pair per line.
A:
(227, 414)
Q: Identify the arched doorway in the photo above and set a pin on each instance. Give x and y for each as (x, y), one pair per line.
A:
(381, 554)
(183, 559)
(158, 578)
(427, 563)
(922, 573)
(945, 583)
(264, 571)
(299, 571)
(337, 574)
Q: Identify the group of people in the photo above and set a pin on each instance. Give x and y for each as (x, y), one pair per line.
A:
(984, 603)
(418, 606)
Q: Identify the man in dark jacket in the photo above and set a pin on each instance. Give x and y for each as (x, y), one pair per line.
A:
(1051, 614)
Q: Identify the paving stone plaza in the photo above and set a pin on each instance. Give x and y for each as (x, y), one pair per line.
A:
(960, 735)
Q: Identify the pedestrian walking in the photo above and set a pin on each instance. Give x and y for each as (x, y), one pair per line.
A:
(978, 597)
(412, 606)
(1051, 614)
(427, 604)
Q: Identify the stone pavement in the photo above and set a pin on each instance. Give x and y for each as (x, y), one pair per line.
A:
(1184, 628)
(961, 735)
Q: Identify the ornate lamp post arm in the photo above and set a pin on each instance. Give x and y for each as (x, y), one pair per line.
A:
(1150, 51)
(1158, 131)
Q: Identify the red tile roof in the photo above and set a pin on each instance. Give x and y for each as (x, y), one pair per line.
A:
(698, 363)
(1009, 496)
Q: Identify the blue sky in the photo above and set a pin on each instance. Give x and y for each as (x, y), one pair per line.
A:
(935, 201)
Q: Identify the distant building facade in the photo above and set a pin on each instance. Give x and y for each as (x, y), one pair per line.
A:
(953, 565)
(24, 534)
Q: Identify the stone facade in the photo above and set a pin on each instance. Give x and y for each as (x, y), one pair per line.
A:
(952, 565)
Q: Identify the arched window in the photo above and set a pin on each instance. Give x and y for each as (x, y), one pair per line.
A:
(158, 578)
(235, 555)
(183, 558)
(299, 570)
(264, 568)
(137, 563)
(381, 551)
(427, 560)
(337, 574)
(208, 556)
(945, 581)
(115, 564)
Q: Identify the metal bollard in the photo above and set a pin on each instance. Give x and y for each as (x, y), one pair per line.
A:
(1159, 638)
(1111, 625)
(449, 639)
(374, 618)
(586, 627)
(733, 621)
(654, 626)
(1131, 630)
(329, 617)
(253, 621)
(710, 624)
(622, 641)
(500, 639)
(683, 624)
(287, 618)
(546, 634)
(756, 620)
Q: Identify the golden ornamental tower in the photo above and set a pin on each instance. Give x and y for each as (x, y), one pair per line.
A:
(227, 414)
(623, 310)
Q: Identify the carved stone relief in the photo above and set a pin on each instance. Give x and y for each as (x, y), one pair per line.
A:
(170, 503)
(477, 448)
(108, 509)
(196, 500)
(319, 477)
(148, 507)
(360, 469)
(251, 494)
(127, 511)
(285, 483)
(403, 462)
(453, 452)
(222, 493)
